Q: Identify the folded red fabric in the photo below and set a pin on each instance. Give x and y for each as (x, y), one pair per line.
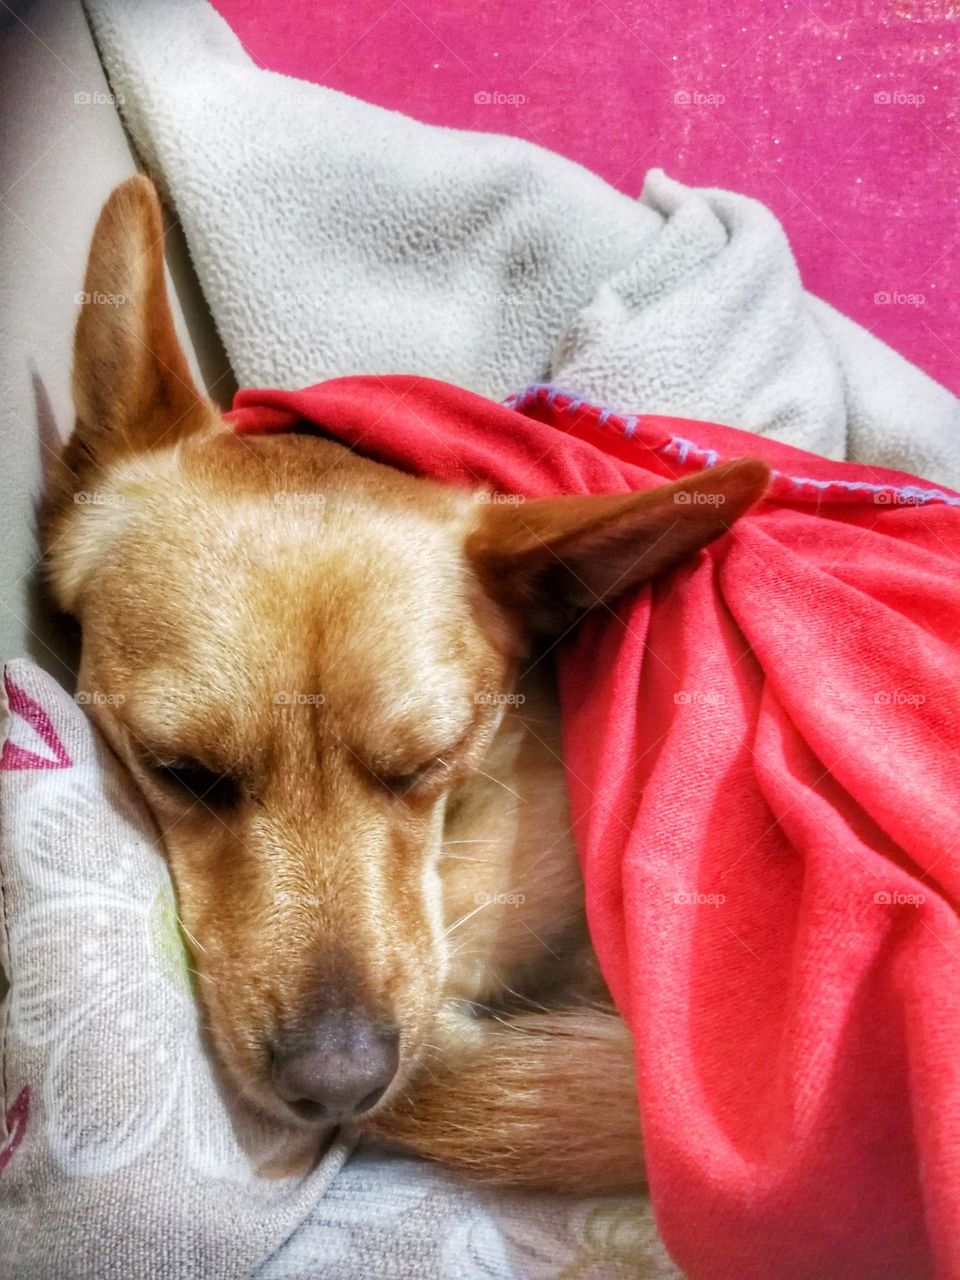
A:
(763, 766)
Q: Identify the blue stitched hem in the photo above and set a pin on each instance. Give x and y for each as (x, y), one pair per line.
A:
(687, 451)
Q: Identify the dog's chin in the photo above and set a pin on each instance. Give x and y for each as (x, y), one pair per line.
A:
(304, 1116)
(260, 1094)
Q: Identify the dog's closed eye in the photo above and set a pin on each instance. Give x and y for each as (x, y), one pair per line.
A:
(401, 783)
(432, 770)
(193, 780)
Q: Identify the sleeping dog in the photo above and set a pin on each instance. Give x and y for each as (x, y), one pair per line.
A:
(343, 717)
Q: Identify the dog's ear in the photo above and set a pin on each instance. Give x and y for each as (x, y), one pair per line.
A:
(550, 559)
(132, 388)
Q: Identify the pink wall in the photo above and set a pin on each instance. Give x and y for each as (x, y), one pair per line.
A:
(844, 119)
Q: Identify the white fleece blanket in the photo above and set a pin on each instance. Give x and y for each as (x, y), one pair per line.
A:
(333, 237)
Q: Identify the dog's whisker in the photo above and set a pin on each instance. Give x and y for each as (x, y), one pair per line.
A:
(500, 783)
(465, 950)
(527, 1000)
(487, 902)
(189, 936)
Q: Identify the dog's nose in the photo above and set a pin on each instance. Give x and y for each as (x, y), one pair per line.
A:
(341, 1068)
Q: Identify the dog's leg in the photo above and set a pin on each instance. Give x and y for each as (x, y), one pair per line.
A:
(543, 1100)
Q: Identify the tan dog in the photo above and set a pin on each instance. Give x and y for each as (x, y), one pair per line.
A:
(371, 850)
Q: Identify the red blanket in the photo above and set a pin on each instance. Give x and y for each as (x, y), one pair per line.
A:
(763, 767)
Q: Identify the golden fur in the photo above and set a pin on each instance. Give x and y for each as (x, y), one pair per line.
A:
(334, 645)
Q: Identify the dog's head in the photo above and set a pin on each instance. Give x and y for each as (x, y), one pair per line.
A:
(285, 644)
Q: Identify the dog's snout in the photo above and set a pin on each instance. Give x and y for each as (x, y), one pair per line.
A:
(341, 1068)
